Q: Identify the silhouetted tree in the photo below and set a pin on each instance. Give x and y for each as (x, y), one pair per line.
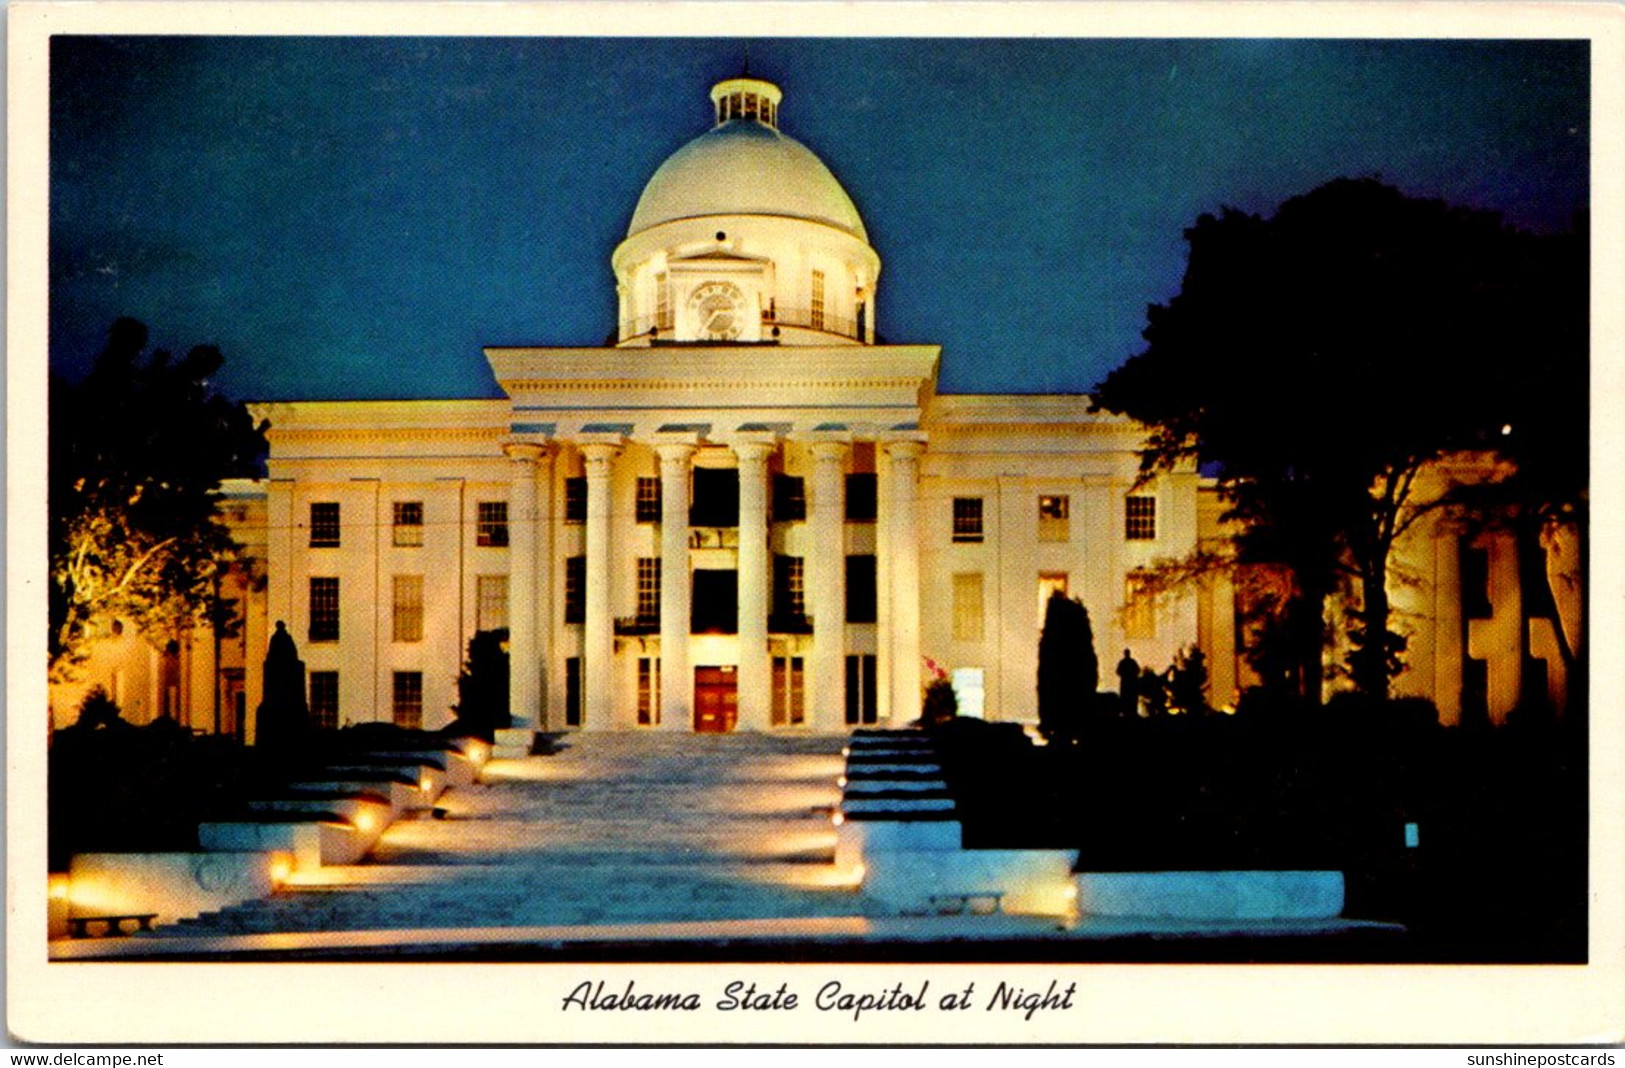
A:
(1322, 357)
(482, 687)
(940, 703)
(1187, 681)
(137, 452)
(1068, 670)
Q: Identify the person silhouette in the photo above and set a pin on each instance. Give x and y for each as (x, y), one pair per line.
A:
(1128, 681)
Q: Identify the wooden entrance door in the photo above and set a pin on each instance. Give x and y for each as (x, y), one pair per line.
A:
(716, 699)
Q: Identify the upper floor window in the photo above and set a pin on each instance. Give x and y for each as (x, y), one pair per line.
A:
(575, 499)
(648, 504)
(492, 527)
(968, 607)
(575, 589)
(716, 497)
(324, 610)
(816, 319)
(861, 497)
(324, 699)
(663, 316)
(408, 699)
(408, 523)
(648, 587)
(860, 589)
(789, 499)
(1139, 608)
(967, 519)
(408, 608)
(789, 587)
(324, 525)
(1054, 518)
(491, 602)
(1139, 518)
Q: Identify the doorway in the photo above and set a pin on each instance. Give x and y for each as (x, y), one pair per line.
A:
(716, 699)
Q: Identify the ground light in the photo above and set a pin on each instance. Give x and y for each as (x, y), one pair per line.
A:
(58, 886)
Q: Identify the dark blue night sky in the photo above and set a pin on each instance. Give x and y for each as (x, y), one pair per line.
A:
(358, 217)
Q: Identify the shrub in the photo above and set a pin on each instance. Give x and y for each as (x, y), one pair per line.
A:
(940, 705)
(482, 688)
(98, 711)
(1068, 670)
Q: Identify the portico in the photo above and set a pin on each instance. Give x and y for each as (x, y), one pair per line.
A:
(758, 416)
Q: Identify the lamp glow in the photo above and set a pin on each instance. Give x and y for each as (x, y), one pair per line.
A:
(59, 887)
(425, 784)
(280, 870)
(838, 819)
(364, 822)
(841, 781)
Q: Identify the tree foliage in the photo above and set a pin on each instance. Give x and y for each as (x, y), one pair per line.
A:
(1068, 669)
(1322, 357)
(137, 453)
(482, 687)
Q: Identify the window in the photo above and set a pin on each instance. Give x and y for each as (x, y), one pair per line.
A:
(408, 699)
(1139, 609)
(716, 497)
(1054, 518)
(968, 607)
(860, 497)
(575, 589)
(860, 589)
(648, 506)
(861, 706)
(491, 602)
(663, 301)
(408, 612)
(324, 699)
(816, 320)
(324, 609)
(789, 587)
(1049, 583)
(492, 528)
(648, 587)
(716, 601)
(648, 691)
(1475, 583)
(967, 519)
(572, 691)
(575, 499)
(324, 525)
(1139, 518)
(789, 690)
(408, 527)
(789, 499)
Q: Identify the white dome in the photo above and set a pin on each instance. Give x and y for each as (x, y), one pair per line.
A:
(744, 167)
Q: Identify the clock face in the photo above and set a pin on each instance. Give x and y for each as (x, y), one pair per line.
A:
(719, 311)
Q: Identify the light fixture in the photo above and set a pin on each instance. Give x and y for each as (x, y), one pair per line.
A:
(838, 819)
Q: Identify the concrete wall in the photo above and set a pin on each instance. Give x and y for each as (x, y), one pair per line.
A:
(1212, 895)
(904, 863)
(172, 885)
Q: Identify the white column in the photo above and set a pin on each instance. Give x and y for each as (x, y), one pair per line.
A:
(676, 680)
(755, 672)
(598, 681)
(826, 581)
(904, 538)
(524, 658)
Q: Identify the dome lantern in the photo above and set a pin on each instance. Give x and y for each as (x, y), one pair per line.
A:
(746, 99)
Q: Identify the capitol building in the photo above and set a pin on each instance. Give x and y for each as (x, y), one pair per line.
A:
(747, 510)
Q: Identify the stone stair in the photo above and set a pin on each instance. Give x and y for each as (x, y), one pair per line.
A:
(615, 828)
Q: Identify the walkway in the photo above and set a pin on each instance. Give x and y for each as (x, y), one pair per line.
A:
(616, 829)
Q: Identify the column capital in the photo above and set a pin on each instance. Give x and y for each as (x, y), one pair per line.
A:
(674, 451)
(753, 452)
(598, 455)
(524, 451)
(829, 451)
(905, 450)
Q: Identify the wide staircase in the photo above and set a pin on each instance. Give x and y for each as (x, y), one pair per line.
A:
(633, 829)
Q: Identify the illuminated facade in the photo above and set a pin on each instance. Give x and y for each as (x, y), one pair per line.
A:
(749, 512)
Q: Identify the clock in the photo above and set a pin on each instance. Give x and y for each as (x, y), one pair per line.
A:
(718, 310)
